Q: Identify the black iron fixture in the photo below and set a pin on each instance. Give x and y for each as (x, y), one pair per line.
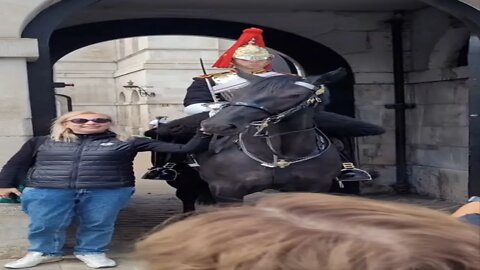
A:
(141, 91)
(401, 185)
(67, 98)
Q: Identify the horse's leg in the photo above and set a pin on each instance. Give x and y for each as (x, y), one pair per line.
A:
(349, 187)
(188, 198)
(189, 186)
(205, 196)
(225, 193)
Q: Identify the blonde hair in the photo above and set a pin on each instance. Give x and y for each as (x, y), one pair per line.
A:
(314, 232)
(59, 132)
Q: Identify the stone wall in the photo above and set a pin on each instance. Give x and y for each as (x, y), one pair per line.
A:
(437, 133)
(437, 129)
(91, 70)
(164, 65)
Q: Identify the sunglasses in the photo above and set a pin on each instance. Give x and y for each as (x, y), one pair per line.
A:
(95, 120)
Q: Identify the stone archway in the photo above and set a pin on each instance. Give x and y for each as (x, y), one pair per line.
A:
(446, 50)
(313, 56)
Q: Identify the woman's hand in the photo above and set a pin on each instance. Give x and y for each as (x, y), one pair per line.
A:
(467, 209)
(199, 142)
(6, 192)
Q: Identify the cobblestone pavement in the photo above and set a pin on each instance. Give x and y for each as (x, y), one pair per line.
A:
(154, 202)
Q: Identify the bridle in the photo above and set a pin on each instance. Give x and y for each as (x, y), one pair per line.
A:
(322, 141)
(251, 105)
(273, 118)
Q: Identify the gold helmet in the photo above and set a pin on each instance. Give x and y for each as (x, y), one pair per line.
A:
(251, 52)
(249, 46)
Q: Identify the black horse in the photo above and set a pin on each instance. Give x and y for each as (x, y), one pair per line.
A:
(270, 140)
(279, 93)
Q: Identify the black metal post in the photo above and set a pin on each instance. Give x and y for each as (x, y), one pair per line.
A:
(42, 94)
(40, 73)
(474, 119)
(69, 101)
(401, 185)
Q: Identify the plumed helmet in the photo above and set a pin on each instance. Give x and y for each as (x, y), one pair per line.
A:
(251, 52)
(249, 46)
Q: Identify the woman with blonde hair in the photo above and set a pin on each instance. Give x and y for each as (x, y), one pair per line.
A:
(314, 232)
(83, 169)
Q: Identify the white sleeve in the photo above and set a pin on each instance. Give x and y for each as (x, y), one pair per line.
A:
(195, 108)
(153, 122)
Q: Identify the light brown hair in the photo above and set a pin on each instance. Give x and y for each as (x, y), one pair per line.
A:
(314, 232)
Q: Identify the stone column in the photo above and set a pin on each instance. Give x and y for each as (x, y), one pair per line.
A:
(15, 120)
(15, 110)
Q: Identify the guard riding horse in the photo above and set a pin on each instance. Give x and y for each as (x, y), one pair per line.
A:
(268, 139)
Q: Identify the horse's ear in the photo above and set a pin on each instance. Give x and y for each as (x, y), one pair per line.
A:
(329, 77)
(247, 76)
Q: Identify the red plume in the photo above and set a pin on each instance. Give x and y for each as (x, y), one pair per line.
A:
(248, 34)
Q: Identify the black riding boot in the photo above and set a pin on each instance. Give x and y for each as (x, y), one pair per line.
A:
(350, 173)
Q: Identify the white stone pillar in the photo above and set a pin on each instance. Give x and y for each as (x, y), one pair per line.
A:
(14, 99)
(15, 52)
(16, 128)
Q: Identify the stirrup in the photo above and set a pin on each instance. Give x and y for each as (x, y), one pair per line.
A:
(351, 174)
(166, 173)
(191, 161)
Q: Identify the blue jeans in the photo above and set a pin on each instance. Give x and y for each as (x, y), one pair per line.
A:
(52, 210)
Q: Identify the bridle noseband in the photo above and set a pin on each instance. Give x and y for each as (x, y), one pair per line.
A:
(251, 105)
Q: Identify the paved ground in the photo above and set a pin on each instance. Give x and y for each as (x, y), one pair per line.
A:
(153, 202)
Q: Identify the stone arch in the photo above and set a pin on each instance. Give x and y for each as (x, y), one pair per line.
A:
(55, 43)
(122, 112)
(121, 98)
(134, 97)
(446, 50)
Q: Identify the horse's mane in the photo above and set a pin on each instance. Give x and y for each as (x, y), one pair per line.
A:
(274, 82)
(278, 82)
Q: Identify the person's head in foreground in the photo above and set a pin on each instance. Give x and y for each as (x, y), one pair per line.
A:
(314, 232)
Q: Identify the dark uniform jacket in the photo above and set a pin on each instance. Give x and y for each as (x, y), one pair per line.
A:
(198, 92)
(92, 161)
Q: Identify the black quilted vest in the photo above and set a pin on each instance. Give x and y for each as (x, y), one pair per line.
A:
(92, 161)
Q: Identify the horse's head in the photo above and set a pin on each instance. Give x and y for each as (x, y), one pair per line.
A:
(265, 97)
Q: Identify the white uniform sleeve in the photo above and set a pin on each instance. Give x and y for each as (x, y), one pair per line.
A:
(195, 108)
